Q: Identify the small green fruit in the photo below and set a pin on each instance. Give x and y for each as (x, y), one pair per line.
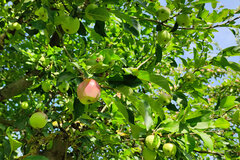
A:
(42, 13)
(38, 120)
(70, 25)
(24, 105)
(149, 154)
(47, 86)
(183, 20)
(164, 98)
(163, 37)
(63, 87)
(169, 149)
(89, 8)
(88, 91)
(152, 142)
(163, 13)
(189, 77)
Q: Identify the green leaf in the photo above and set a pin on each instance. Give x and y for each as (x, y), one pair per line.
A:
(158, 53)
(78, 108)
(100, 14)
(135, 29)
(203, 1)
(13, 143)
(157, 79)
(227, 102)
(100, 28)
(123, 16)
(231, 51)
(171, 126)
(206, 139)
(235, 66)
(36, 158)
(122, 109)
(222, 123)
(82, 30)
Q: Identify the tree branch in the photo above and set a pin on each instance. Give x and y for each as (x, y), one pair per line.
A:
(208, 152)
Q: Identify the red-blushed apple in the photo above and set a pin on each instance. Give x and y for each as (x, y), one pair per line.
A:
(38, 120)
(88, 91)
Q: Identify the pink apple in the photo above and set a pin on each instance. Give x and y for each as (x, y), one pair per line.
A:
(88, 91)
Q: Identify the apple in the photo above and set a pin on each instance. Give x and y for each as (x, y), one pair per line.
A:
(148, 154)
(236, 117)
(42, 13)
(14, 26)
(88, 91)
(169, 149)
(38, 120)
(152, 142)
(24, 105)
(46, 85)
(183, 20)
(89, 8)
(164, 98)
(63, 87)
(70, 25)
(163, 13)
(189, 77)
(163, 37)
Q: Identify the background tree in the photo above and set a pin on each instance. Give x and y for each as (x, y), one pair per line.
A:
(135, 51)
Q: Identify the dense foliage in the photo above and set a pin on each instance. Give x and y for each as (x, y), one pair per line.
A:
(155, 78)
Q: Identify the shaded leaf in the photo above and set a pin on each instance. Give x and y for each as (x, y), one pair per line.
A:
(100, 28)
(206, 139)
(13, 143)
(78, 108)
(100, 14)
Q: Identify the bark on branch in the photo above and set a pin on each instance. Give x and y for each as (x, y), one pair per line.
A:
(18, 86)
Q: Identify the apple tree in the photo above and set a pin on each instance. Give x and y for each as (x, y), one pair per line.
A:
(92, 79)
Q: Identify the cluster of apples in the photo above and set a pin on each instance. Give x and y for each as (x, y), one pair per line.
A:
(88, 92)
(163, 14)
(152, 143)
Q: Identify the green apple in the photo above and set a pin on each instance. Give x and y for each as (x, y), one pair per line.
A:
(88, 91)
(63, 87)
(46, 85)
(183, 20)
(38, 120)
(164, 98)
(24, 105)
(149, 154)
(152, 142)
(42, 13)
(70, 25)
(236, 117)
(189, 77)
(163, 13)
(14, 26)
(169, 149)
(163, 37)
(89, 8)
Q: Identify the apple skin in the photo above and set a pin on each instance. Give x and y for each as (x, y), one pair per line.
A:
(148, 154)
(88, 91)
(152, 142)
(183, 20)
(24, 105)
(63, 87)
(47, 86)
(164, 98)
(189, 77)
(89, 8)
(42, 13)
(38, 120)
(163, 37)
(169, 149)
(163, 13)
(70, 25)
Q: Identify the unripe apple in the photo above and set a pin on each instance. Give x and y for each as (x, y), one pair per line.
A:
(169, 149)
(63, 87)
(152, 142)
(46, 85)
(88, 91)
(38, 120)
(164, 98)
(70, 25)
(42, 13)
(149, 154)
(183, 20)
(89, 8)
(24, 105)
(163, 13)
(189, 77)
(163, 37)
